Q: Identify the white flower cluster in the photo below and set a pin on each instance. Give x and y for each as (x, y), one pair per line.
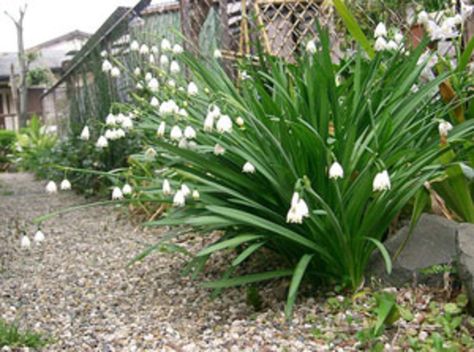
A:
(52, 188)
(383, 41)
(118, 194)
(440, 26)
(38, 238)
(179, 197)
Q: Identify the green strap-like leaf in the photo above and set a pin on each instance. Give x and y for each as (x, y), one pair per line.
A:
(384, 252)
(233, 242)
(246, 253)
(248, 279)
(295, 283)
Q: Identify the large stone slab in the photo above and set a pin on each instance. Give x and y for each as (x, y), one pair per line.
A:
(432, 243)
(465, 260)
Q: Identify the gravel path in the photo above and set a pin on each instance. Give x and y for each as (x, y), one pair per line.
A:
(76, 287)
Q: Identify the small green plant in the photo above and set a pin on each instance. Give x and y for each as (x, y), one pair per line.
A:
(7, 141)
(12, 336)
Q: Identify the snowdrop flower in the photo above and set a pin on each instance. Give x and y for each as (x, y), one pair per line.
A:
(106, 66)
(111, 120)
(192, 88)
(115, 72)
(165, 45)
(218, 149)
(164, 61)
(127, 123)
(65, 185)
(120, 133)
(196, 194)
(166, 188)
(380, 30)
(336, 171)
(38, 237)
(25, 242)
(110, 134)
(183, 144)
(51, 187)
(117, 193)
(189, 132)
(311, 47)
(423, 17)
(160, 132)
(103, 53)
(177, 49)
(150, 153)
(176, 133)
(239, 121)
(381, 182)
(168, 107)
(179, 200)
(444, 127)
(224, 124)
(298, 210)
(185, 189)
(398, 37)
(154, 102)
(217, 54)
(248, 168)
(392, 45)
(380, 44)
(151, 59)
(127, 189)
(154, 49)
(183, 113)
(148, 77)
(137, 71)
(171, 83)
(134, 46)
(209, 122)
(139, 86)
(119, 118)
(144, 49)
(85, 134)
(153, 84)
(102, 142)
(174, 67)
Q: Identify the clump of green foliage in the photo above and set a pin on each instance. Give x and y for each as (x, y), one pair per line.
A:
(12, 336)
(7, 141)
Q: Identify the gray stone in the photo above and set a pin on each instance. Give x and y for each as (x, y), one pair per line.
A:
(465, 262)
(433, 242)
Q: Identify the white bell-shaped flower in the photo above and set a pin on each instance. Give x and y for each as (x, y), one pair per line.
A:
(380, 44)
(239, 121)
(51, 187)
(101, 142)
(65, 185)
(127, 189)
(336, 171)
(160, 132)
(179, 200)
(137, 71)
(151, 59)
(168, 107)
(25, 242)
(380, 30)
(171, 83)
(111, 120)
(189, 132)
(166, 188)
(423, 17)
(218, 149)
(38, 237)
(106, 66)
(381, 182)
(150, 153)
(174, 67)
(192, 88)
(165, 45)
(144, 49)
(196, 194)
(115, 72)
(392, 45)
(248, 168)
(127, 123)
(153, 85)
(176, 133)
(117, 193)
(177, 49)
(217, 54)
(185, 189)
(224, 124)
(311, 47)
(444, 127)
(134, 46)
(154, 102)
(164, 61)
(154, 49)
(298, 210)
(85, 134)
(148, 76)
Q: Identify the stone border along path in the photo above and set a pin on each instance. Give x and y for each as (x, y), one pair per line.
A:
(76, 287)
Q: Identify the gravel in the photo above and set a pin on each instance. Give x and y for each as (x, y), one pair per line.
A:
(76, 286)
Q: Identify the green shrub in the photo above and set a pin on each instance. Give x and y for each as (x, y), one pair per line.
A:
(269, 187)
(7, 140)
